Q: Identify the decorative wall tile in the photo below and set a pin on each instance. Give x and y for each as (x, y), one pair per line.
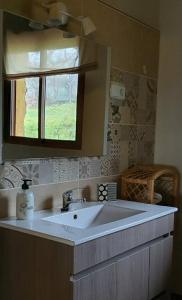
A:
(110, 165)
(65, 170)
(139, 106)
(115, 113)
(89, 167)
(132, 153)
(129, 135)
(140, 141)
(46, 172)
(56, 170)
(1, 170)
(145, 148)
(114, 149)
(29, 171)
(114, 140)
(12, 176)
(14, 173)
(6, 183)
(114, 133)
(130, 140)
(146, 113)
(69, 170)
(127, 108)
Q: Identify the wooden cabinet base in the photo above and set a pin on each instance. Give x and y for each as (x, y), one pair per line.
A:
(130, 264)
(32, 268)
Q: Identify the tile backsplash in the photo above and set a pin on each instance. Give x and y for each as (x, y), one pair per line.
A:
(130, 137)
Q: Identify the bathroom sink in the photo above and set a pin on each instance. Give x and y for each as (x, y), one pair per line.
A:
(93, 216)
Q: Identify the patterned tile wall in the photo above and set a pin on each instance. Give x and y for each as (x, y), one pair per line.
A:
(130, 138)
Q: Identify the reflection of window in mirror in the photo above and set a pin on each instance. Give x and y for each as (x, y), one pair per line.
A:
(45, 71)
(45, 110)
(44, 85)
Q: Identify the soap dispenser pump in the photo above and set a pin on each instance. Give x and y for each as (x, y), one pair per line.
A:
(25, 202)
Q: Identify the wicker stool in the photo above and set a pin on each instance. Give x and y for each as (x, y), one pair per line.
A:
(143, 183)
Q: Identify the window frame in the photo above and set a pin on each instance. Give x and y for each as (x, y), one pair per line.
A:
(8, 138)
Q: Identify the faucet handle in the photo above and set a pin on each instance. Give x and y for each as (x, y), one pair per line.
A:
(84, 200)
(68, 196)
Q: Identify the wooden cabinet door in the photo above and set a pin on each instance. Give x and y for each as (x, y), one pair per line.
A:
(97, 285)
(1, 87)
(139, 275)
(160, 266)
(132, 276)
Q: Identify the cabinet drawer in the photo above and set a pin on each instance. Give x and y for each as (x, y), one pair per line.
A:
(102, 249)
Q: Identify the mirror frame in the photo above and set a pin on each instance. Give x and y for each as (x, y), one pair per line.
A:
(95, 128)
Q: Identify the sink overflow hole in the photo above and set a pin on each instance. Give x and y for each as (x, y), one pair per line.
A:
(75, 217)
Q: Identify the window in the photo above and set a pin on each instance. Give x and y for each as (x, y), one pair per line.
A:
(44, 83)
(45, 110)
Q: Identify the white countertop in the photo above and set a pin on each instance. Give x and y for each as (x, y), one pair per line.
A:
(75, 236)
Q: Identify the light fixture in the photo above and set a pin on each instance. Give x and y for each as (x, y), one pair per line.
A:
(58, 15)
(36, 25)
(88, 25)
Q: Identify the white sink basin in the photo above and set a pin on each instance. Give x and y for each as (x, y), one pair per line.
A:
(93, 216)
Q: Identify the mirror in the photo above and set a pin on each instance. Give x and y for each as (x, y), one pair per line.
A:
(56, 88)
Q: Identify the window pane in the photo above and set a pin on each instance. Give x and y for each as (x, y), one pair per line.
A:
(61, 107)
(25, 109)
(64, 58)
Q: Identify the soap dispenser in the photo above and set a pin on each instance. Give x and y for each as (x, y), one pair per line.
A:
(25, 202)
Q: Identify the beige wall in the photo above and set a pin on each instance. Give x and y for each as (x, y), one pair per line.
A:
(146, 11)
(134, 46)
(169, 113)
(21, 6)
(50, 195)
(168, 148)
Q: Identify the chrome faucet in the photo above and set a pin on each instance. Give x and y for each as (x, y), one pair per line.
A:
(68, 199)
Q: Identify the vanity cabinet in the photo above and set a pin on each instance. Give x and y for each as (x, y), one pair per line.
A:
(138, 275)
(160, 265)
(132, 264)
(1, 90)
(132, 276)
(98, 284)
(124, 279)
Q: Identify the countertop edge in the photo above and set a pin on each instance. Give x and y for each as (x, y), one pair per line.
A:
(84, 239)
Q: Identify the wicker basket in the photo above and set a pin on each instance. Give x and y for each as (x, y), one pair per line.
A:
(145, 183)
